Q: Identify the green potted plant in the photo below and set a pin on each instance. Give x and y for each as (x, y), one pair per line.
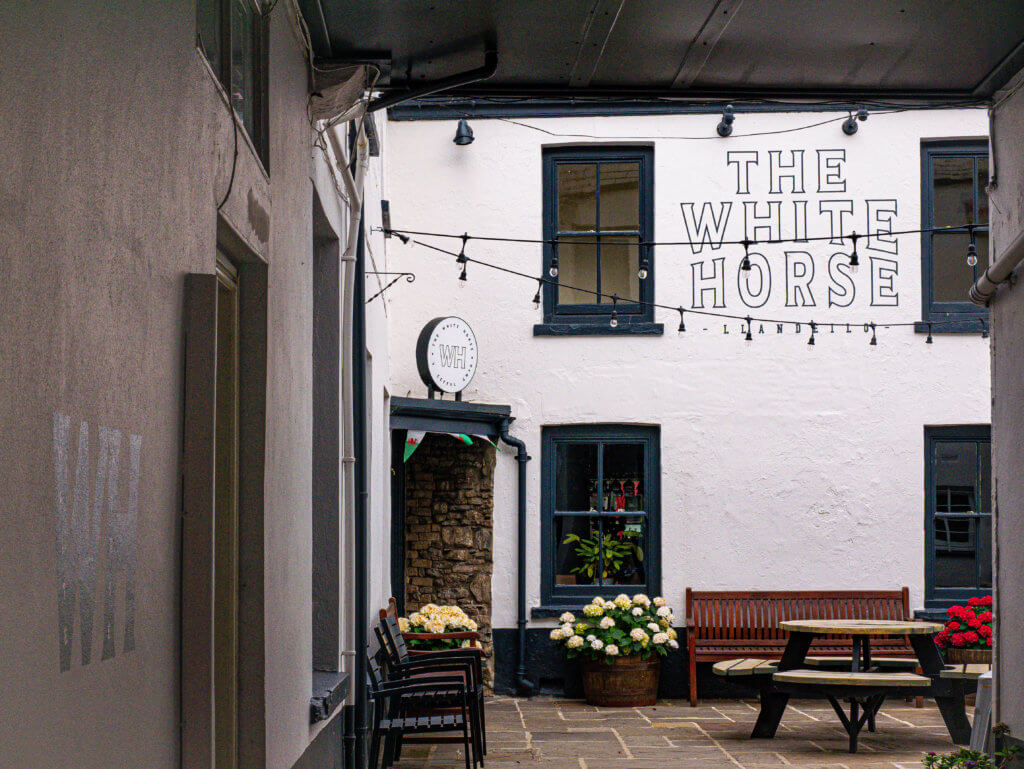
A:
(970, 759)
(620, 644)
(619, 553)
(967, 636)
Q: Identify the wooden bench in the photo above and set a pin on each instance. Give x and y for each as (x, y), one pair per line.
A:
(970, 671)
(725, 625)
(744, 667)
(897, 680)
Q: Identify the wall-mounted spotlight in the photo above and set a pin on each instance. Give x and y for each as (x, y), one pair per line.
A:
(725, 125)
(463, 134)
(850, 124)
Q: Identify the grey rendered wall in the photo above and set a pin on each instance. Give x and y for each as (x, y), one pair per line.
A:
(1007, 216)
(117, 147)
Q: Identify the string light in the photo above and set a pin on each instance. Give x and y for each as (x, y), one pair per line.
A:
(984, 330)
(748, 338)
(814, 328)
(929, 339)
(553, 269)
(462, 259)
(850, 124)
(745, 264)
(724, 127)
(645, 265)
(614, 321)
(854, 261)
(972, 250)
(536, 297)
(682, 322)
(874, 341)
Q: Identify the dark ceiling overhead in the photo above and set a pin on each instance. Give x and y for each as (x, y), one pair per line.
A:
(914, 49)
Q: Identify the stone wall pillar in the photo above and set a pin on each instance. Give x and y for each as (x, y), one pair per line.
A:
(449, 508)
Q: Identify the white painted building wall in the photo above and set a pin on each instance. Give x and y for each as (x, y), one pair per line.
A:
(783, 466)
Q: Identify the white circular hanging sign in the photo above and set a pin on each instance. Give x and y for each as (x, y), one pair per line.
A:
(446, 354)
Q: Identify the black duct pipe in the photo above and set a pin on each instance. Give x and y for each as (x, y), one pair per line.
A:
(522, 684)
(361, 583)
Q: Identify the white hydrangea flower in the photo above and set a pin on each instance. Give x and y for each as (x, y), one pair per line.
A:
(597, 644)
(416, 618)
(471, 625)
(433, 626)
(638, 635)
(590, 638)
(611, 650)
(567, 617)
(622, 601)
(575, 642)
(673, 644)
(559, 634)
(567, 626)
(637, 611)
(664, 611)
(672, 634)
(641, 600)
(653, 627)
(659, 639)
(659, 601)
(403, 624)
(593, 610)
(607, 622)
(598, 600)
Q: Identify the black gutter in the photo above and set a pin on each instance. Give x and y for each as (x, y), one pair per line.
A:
(361, 583)
(442, 84)
(523, 686)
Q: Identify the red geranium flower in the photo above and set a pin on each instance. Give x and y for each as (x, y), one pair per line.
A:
(988, 641)
(985, 616)
(973, 622)
(942, 639)
(957, 639)
(986, 601)
(971, 637)
(985, 631)
(954, 625)
(972, 601)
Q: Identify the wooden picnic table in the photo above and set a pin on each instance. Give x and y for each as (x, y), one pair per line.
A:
(865, 686)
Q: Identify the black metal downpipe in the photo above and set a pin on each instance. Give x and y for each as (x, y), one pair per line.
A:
(523, 686)
(361, 583)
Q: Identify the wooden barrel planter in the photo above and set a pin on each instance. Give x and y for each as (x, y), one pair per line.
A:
(956, 656)
(625, 682)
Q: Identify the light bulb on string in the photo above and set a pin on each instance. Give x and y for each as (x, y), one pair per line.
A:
(874, 340)
(682, 322)
(536, 297)
(984, 330)
(972, 249)
(614, 320)
(854, 260)
(745, 264)
(748, 338)
(814, 328)
(553, 268)
(462, 260)
(929, 339)
(645, 267)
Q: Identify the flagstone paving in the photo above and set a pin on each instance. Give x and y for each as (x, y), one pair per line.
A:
(543, 733)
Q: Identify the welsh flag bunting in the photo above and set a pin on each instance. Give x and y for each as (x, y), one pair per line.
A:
(412, 441)
(464, 438)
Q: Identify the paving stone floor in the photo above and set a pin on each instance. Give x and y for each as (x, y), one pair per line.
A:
(544, 733)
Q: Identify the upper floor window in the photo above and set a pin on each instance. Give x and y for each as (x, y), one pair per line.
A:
(955, 174)
(232, 34)
(958, 513)
(599, 211)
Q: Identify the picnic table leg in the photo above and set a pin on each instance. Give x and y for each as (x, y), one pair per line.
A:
(773, 702)
(951, 706)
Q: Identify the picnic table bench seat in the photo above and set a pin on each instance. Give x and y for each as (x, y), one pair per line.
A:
(970, 671)
(831, 678)
(729, 624)
(744, 667)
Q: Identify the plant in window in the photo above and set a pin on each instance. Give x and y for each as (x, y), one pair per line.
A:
(968, 633)
(619, 550)
(621, 643)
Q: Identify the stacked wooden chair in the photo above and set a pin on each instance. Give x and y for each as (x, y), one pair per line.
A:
(424, 696)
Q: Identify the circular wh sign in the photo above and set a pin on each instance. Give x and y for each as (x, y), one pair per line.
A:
(446, 354)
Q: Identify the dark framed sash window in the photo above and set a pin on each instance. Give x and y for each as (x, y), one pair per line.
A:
(600, 512)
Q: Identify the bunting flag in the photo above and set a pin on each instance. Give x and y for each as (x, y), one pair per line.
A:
(464, 438)
(413, 438)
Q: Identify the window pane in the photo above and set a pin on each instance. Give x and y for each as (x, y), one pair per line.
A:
(953, 199)
(243, 63)
(955, 551)
(620, 262)
(577, 266)
(577, 197)
(623, 476)
(625, 550)
(952, 277)
(982, 195)
(576, 476)
(208, 28)
(956, 472)
(577, 550)
(620, 196)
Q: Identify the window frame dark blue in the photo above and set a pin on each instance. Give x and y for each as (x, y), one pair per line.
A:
(557, 598)
(966, 316)
(634, 317)
(944, 597)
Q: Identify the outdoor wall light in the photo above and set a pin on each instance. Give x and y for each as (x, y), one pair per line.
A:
(850, 124)
(725, 125)
(464, 134)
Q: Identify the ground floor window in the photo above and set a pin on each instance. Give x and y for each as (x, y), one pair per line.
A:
(958, 513)
(600, 512)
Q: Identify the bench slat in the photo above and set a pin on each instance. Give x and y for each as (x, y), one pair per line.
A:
(838, 678)
(969, 671)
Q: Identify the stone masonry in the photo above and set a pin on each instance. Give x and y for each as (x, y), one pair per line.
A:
(449, 492)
